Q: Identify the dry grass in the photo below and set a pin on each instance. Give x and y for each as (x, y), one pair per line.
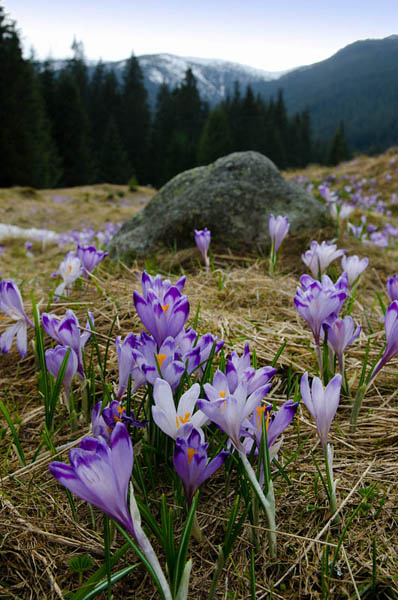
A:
(38, 533)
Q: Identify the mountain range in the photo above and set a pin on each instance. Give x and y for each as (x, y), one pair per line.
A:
(357, 85)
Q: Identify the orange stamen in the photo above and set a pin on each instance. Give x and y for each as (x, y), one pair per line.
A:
(191, 453)
(165, 307)
(183, 420)
(222, 394)
(160, 358)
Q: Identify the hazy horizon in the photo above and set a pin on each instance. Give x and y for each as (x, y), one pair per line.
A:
(271, 38)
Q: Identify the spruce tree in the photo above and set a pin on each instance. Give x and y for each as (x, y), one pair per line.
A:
(135, 119)
(114, 167)
(26, 149)
(338, 150)
(216, 139)
(163, 125)
(72, 132)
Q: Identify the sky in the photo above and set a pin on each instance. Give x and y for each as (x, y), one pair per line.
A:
(273, 35)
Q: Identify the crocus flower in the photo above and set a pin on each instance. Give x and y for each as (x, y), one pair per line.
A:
(341, 211)
(100, 474)
(98, 425)
(240, 369)
(54, 359)
(152, 362)
(340, 335)
(202, 240)
(392, 287)
(391, 329)
(197, 357)
(275, 423)
(353, 266)
(163, 315)
(192, 465)
(69, 269)
(159, 286)
(321, 402)
(319, 257)
(11, 303)
(229, 412)
(278, 228)
(89, 257)
(127, 364)
(66, 331)
(318, 301)
(176, 422)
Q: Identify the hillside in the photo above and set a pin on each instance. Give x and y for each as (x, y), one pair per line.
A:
(359, 84)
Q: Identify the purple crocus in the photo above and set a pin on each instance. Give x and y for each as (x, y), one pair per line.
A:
(353, 266)
(275, 423)
(278, 229)
(127, 364)
(192, 465)
(340, 335)
(391, 329)
(152, 362)
(200, 353)
(319, 257)
(392, 287)
(318, 301)
(240, 369)
(66, 331)
(321, 402)
(11, 303)
(163, 312)
(89, 257)
(54, 359)
(202, 240)
(230, 412)
(100, 474)
(159, 286)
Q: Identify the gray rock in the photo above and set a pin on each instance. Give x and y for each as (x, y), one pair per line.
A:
(233, 197)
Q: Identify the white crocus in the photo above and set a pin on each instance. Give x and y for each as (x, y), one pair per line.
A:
(176, 422)
(69, 269)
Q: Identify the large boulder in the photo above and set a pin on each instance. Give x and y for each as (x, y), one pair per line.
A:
(233, 197)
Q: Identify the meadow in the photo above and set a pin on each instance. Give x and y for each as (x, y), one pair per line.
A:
(56, 545)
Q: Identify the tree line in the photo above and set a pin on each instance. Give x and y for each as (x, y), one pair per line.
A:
(66, 127)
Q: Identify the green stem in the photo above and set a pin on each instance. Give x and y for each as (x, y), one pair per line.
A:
(267, 501)
(328, 453)
(107, 548)
(196, 532)
(217, 572)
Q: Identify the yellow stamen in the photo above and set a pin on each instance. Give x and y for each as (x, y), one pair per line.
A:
(69, 268)
(121, 410)
(116, 418)
(165, 307)
(224, 404)
(183, 420)
(160, 358)
(191, 453)
(222, 394)
(260, 410)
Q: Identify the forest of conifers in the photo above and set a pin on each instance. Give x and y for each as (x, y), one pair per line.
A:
(64, 128)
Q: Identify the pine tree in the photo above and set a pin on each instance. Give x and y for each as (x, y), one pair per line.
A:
(216, 139)
(190, 117)
(338, 150)
(71, 132)
(135, 118)
(26, 149)
(163, 125)
(114, 167)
